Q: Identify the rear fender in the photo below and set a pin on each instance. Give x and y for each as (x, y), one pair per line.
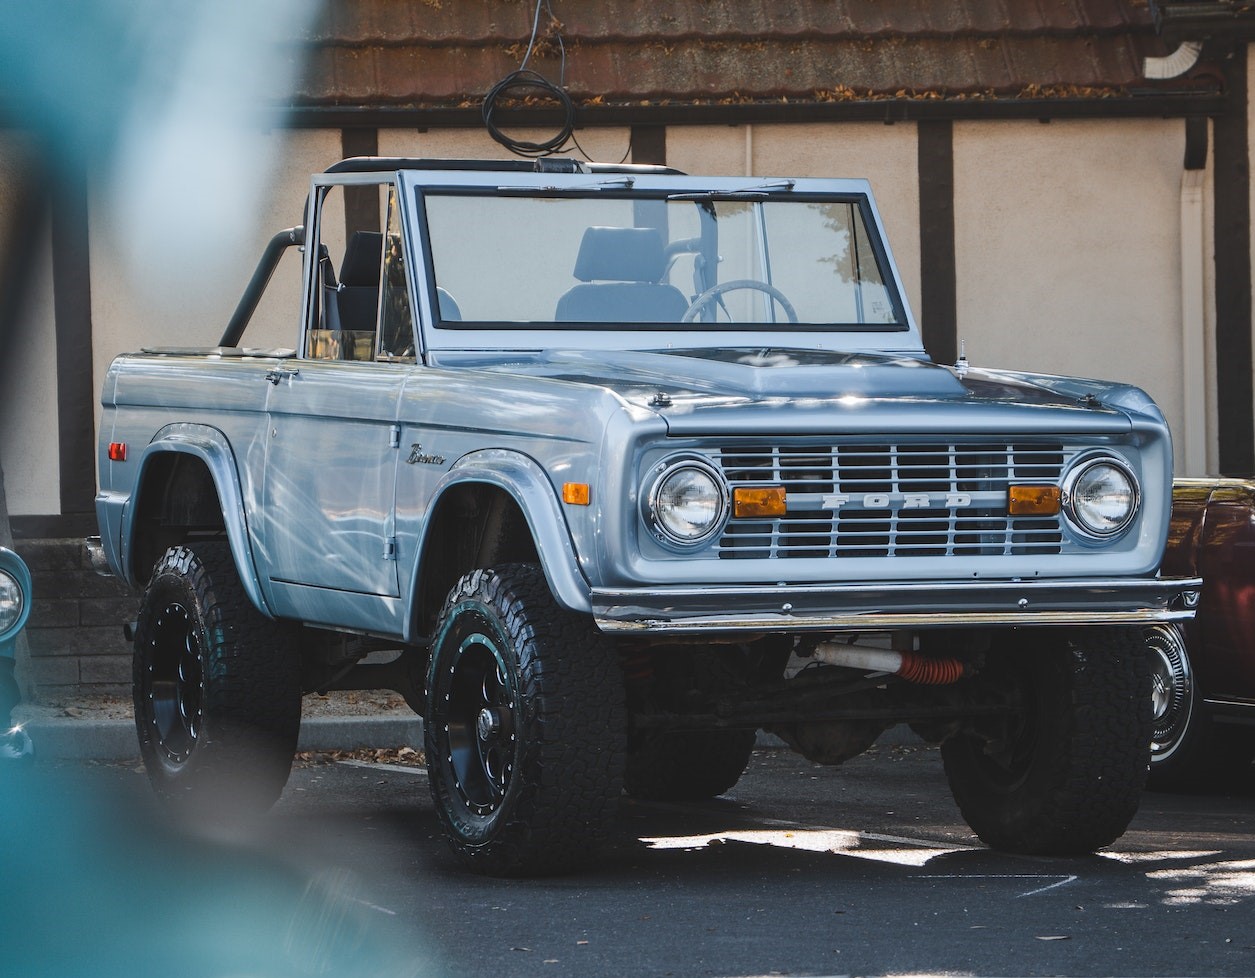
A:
(212, 448)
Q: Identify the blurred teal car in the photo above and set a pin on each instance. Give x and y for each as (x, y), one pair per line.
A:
(15, 606)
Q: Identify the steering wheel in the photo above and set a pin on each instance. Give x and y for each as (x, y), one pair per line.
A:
(715, 291)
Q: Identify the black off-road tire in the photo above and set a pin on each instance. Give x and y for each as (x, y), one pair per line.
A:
(216, 686)
(687, 766)
(525, 727)
(1065, 776)
(1189, 750)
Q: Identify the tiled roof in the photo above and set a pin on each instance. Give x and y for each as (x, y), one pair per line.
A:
(449, 53)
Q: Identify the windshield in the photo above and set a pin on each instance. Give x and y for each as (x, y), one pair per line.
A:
(606, 261)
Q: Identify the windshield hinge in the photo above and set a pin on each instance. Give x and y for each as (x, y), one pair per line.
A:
(394, 439)
(390, 549)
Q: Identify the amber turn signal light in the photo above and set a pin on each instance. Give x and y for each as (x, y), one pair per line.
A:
(1034, 501)
(749, 501)
(575, 493)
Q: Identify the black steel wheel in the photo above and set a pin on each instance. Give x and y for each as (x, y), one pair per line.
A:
(525, 727)
(480, 716)
(216, 687)
(1189, 751)
(174, 682)
(1063, 776)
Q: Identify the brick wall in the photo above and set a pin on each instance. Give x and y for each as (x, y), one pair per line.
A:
(75, 627)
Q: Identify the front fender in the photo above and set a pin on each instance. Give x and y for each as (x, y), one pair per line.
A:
(526, 482)
(212, 447)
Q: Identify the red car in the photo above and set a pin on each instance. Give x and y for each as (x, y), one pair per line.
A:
(1204, 670)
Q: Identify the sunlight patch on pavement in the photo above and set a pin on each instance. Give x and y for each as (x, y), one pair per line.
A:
(844, 842)
(1160, 856)
(1215, 884)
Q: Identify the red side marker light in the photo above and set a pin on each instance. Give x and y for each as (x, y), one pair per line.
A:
(117, 451)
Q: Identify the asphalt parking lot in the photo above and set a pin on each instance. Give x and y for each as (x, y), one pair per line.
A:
(801, 870)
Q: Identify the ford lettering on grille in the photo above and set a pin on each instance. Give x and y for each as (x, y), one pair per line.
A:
(906, 500)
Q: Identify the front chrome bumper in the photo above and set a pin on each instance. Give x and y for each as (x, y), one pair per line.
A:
(875, 607)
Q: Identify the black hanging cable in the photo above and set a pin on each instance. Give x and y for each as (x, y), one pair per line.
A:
(526, 79)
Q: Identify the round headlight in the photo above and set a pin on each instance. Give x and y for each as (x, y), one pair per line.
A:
(11, 599)
(687, 502)
(1101, 497)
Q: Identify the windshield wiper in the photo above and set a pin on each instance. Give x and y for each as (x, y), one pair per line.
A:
(759, 191)
(626, 182)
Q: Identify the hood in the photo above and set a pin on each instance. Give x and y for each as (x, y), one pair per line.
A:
(694, 388)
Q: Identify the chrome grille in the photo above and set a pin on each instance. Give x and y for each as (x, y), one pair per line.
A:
(892, 500)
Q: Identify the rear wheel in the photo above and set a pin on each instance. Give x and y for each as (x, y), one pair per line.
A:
(1064, 775)
(216, 687)
(687, 766)
(525, 727)
(1188, 751)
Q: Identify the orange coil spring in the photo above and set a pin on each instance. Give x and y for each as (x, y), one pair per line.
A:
(930, 672)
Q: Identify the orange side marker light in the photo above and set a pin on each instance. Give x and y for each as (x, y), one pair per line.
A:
(758, 501)
(1034, 501)
(575, 493)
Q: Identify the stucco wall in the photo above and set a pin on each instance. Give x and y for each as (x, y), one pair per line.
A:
(28, 368)
(137, 307)
(1067, 238)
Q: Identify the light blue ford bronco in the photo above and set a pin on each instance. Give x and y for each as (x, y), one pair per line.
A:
(605, 469)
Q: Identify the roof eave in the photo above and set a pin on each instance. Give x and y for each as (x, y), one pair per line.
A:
(887, 110)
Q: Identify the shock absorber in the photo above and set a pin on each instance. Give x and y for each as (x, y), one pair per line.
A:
(911, 666)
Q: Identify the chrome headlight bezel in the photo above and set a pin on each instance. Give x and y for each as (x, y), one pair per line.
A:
(1075, 502)
(655, 512)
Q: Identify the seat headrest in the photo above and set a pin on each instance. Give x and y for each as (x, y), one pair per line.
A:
(361, 259)
(620, 255)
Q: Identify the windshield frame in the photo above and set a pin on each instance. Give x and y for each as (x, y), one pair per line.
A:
(899, 336)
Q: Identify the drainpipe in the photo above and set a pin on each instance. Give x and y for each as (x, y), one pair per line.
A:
(1196, 393)
(1191, 442)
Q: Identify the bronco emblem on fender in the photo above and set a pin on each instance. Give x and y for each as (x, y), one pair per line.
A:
(417, 455)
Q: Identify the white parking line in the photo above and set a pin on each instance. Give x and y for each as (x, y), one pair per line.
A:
(1059, 879)
(418, 772)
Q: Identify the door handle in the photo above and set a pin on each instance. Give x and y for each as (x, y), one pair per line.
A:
(281, 373)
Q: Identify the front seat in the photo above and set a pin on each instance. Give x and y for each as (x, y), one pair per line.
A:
(621, 270)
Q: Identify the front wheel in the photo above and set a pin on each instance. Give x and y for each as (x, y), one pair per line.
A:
(525, 727)
(1063, 775)
(216, 686)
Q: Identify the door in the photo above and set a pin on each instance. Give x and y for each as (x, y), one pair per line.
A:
(332, 444)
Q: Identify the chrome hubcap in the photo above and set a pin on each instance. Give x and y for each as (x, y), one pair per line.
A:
(1172, 687)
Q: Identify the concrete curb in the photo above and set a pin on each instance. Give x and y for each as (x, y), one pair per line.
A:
(87, 739)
